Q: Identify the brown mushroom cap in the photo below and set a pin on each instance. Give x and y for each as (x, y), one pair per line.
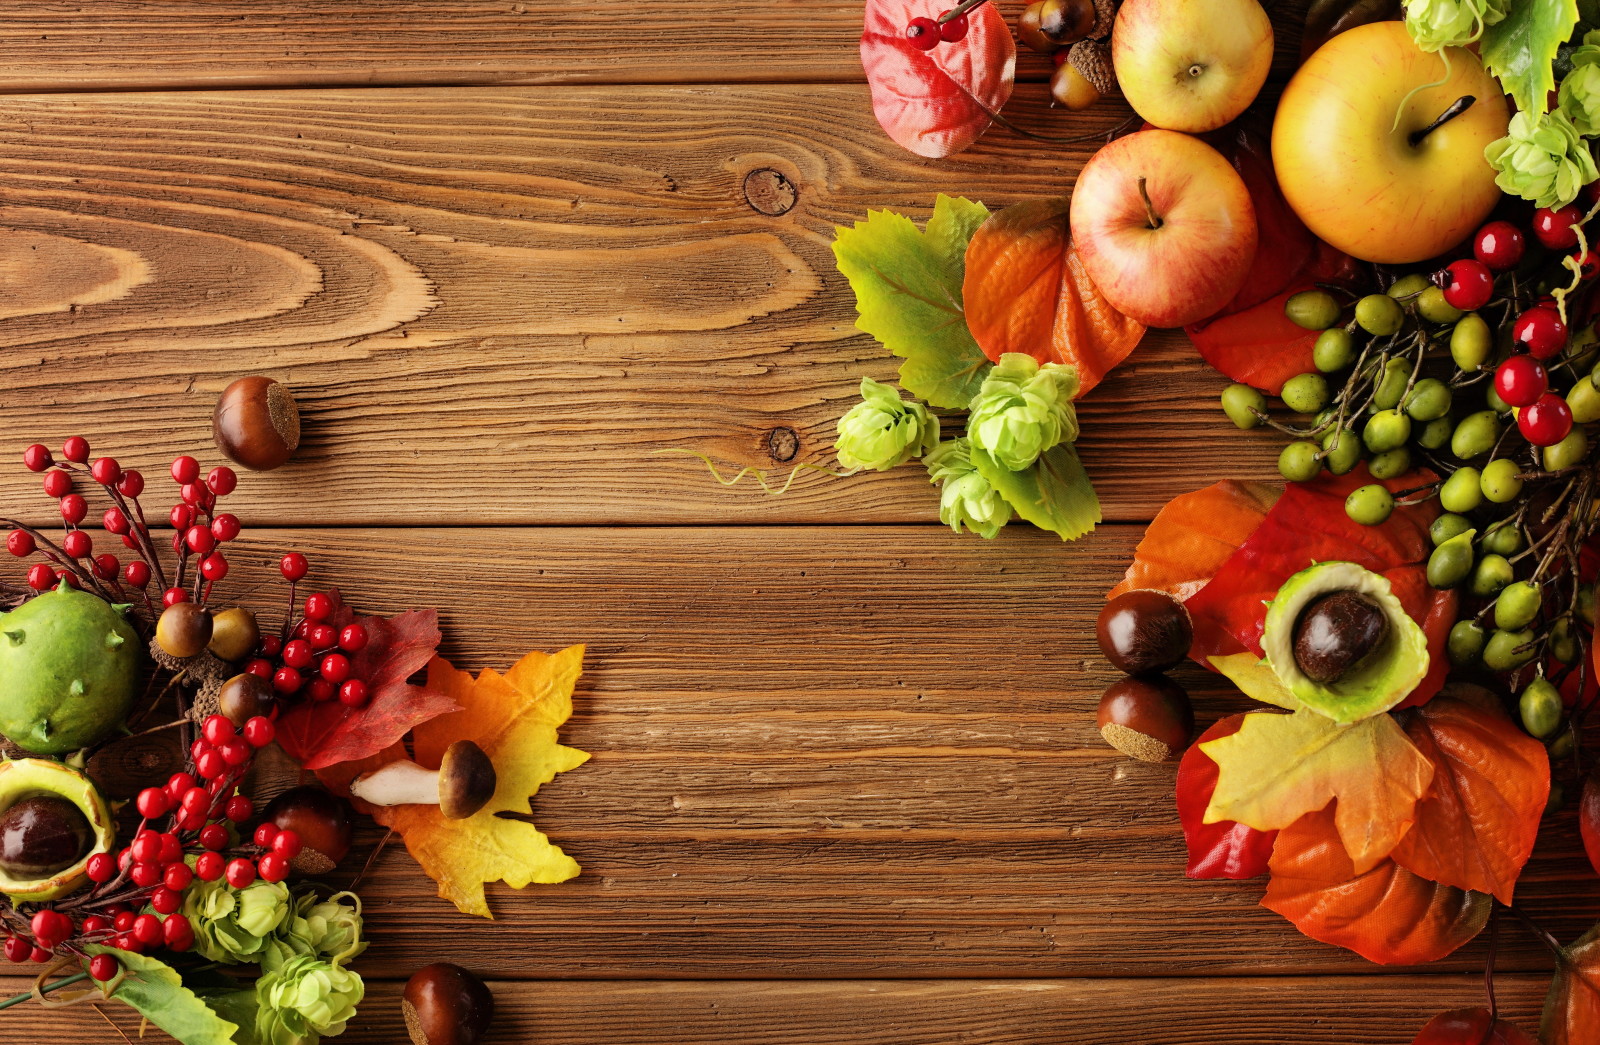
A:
(467, 780)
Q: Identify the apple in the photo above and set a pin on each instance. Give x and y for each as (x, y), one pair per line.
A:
(1191, 65)
(1164, 227)
(1382, 192)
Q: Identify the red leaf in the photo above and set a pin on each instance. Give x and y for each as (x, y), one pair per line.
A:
(1026, 291)
(1307, 525)
(1476, 826)
(1194, 534)
(320, 734)
(1285, 247)
(1224, 849)
(1470, 1027)
(936, 102)
(1387, 915)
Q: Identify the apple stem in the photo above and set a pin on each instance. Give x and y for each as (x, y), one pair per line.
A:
(1457, 107)
(1149, 208)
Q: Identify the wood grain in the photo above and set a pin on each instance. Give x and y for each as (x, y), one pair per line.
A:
(1368, 1010)
(498, 305)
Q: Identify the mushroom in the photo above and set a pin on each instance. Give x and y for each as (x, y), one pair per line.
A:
(462, 785)
(445, 1004)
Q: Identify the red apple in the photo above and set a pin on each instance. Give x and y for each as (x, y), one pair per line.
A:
(1164, 226)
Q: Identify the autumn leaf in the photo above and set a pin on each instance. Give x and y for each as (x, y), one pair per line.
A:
(939, 101)
(1224, 849)
(1572, 1008)
(1476, 826)
(513, 718)
(318, 734)
(908, 295)
(1521, 47)
(1386, 914)
(1256, 680)
(1026, 291)
(1285, 248)
(1054, 493)
(1278, 768)
(1194, 534)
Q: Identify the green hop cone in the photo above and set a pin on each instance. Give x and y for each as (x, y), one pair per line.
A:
(327, 929)
(1580, 89)
(303, 999)
(235, 925)
(1437, 24)
(884, 430)
(965, 496)
(1543, 159)
(1023, 409)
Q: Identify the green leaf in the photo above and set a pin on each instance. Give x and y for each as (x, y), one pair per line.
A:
(908, 295)
(156, 991)
(1521, 48)
(1054, 493)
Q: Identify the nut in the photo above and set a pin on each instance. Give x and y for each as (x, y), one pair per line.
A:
(256, 423)
(1147, 718)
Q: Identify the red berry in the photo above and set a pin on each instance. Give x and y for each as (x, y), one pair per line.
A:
(302, 629)
(122, 921)
(195, 799)
(131, 484)
(208, 866)
(297, 653)
(259, 667)
(287, 681)
(100, 868)
(36, 458)
(1541, 331)
(1500, 245)
(137, 573)
(222, 480)
(1468, 285)
(178, 785)
(177, 933)
(185, 470)
(322, 636)
(145, 875)
(51, 927)
(265, 834)
(239, 809)
(127, 942)
(57, 483)
(259, 731)
(1521, 380)
(1588, 263)
(319, 606)
(104, 967)
(171, 848)
(128, 541)
(146, 847)
(40, 955)
(240, 872)
(20, 543)
(1547, 421)
(147, 929)
(273, 867)
(214, 837)
(211, 764)
(335, 667)
(173, 596)
(353, 693)
(153, 802)
(96, 923)
(105, 471)
(287, 844)
(106, 566)
(195, 494)
(115, 521)
(294, 566)
(271, 645)
(923, 34)
(75, 449)
(18, 949)
(77, 544)
(74, 508)
(1557, 229)
(199, 539)
(165, 901)
(69, 579)
(216, 729)
(225, 527)
(235, 752)
(181, 517)
(954, 30)
(177, 877)
(352, 638)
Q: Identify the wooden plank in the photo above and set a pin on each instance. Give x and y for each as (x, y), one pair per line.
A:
(830, 752)
(1369, 1010)
(498, 305)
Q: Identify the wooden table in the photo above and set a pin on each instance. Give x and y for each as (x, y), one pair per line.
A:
(846, 785)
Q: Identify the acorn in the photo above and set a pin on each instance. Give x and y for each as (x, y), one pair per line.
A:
(1148, 718)
(234, 633)
(183, 629)
(1105, 16)
(1091, 59)
(256, 423)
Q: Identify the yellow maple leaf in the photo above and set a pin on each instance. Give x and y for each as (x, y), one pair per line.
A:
(1277, 768)
(513, 718)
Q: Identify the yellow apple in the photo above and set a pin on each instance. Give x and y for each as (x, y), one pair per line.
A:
(1393, 194)
(1191, 65)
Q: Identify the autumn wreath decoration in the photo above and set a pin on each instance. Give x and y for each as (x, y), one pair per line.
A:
(141, 863)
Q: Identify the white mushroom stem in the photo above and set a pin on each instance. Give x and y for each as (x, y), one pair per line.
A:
(398, 784)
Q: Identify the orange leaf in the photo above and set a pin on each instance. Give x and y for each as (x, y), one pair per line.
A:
(1026, 291)
(1387, 915)
(1572, 1008)
(1476, 826)
(1194, 534)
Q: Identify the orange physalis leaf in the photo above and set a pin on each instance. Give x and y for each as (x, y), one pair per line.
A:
(1476, 826)
(513, 718)
(1278, 768)
(1572, 1008)
(1025, 291)
(1194, 534)
(1387, 914)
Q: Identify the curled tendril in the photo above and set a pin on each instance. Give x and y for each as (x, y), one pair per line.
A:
(759, 473)
(1572, 263)
(1400, 110)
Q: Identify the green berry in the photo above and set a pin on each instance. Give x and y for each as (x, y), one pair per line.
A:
(1447, 526)
(1517, 605)
(1435, 434)
(1503, 538)
(1335, 349)
(1428, 400)
(1379, 315)
(1504, 651)
(1495, 403)
(1343, 451)
(1586, 601)
(1585, 403)
(1386, 430)
(1492, 573)
(1369, 505)
(1305, 393)
(1451, 562)
(1243, 405)
(1561, 747)
(1540, 707)
(1475, 435)
(1298, 461)
(1312, 309)
(1564, 642)
(1499, 481)
(1390, 464)
(1557, 799)
(1462, 492)
(1465, 644)
(1471, 342)
(1406, 288)
(1570, 451)
(1432, 306)
(1392, 386)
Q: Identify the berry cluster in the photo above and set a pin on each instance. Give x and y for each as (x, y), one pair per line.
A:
(312, 657)
(927, 33)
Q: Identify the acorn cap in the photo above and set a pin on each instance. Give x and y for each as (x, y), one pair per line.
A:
(467, 780)
(1092, 60)
(1105, 16)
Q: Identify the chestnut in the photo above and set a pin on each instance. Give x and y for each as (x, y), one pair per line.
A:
(183, 629)
(42, 834)
(444, 1004)
(256, 423)
(245, 696)
(1147, 718)
(1144, 631)
(324, 821)
(1337, 632)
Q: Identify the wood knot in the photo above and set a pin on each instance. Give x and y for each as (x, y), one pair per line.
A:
(782, 444)
(769, 192)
